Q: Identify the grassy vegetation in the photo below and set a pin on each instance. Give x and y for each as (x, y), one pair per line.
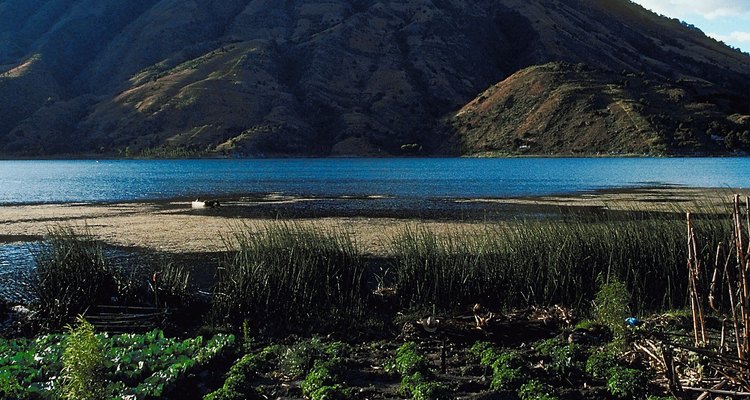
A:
(290, 279)
(71, 275)
(284, 277)
(550, 262)
(289, 275)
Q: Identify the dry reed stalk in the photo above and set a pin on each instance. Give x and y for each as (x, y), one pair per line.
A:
(693, 265)
(718, 386)
(746, 285)
(741, 258)
(719, 392)
(733, 306)
(715, 280)
(742, 328)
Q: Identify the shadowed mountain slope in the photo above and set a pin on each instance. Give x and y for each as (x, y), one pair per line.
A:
(268, 77)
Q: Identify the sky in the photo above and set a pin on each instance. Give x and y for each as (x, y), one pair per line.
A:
(726, 20)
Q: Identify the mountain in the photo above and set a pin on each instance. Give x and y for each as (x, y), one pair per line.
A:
(335, 77)
(560, 108)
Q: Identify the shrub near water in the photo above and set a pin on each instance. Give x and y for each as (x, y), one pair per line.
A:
(550, 262)
(71, 275)
(83, 364)
(287, 275)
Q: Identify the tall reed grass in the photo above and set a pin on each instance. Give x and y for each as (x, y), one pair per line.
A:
(71, 275)
(286, 276)
(551, 262)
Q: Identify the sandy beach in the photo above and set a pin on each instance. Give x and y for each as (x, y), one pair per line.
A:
(174, 227)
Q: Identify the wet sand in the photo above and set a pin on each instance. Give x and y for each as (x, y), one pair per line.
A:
(174, 227)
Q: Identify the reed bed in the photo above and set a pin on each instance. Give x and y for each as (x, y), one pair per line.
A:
(551, 262)
(288, 276)
(71, 275)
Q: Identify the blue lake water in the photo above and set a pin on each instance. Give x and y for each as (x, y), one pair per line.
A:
(129, 180)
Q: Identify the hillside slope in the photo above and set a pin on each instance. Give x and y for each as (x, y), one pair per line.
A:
(562, 108)
(335, 77)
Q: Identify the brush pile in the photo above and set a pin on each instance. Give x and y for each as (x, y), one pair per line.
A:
(713, 362)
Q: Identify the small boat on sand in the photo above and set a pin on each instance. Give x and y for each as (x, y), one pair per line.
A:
(205, 204)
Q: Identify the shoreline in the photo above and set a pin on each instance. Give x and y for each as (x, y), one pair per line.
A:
(217, 156)
(260, 197)
(172, 226)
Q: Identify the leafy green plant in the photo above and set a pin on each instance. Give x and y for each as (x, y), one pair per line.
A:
(301, 356)
(82, 364)
(142, 365)
(601, 362)
(322, 382)
(627, 383)
(562, 358)
(319, 362)
(335, 392)
(507, 373)
(536, 390)
(417, 380)
(612, 305)
(238, 384)
(507, 366)
(10, 387)
(420, 386)
(484, 352)
(408, 361)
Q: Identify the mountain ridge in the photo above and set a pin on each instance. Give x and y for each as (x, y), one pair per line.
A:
(265, 78)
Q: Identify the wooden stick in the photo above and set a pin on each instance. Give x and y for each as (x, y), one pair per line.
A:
(691, 280)
(733, 307)
(736, 219)
(745, 276)
(716, 391)
(723, 357)
(746, 313)
(714, 387)
(743, 324)
(715, 280)
(671, 372)
(695, 281)
(650, 354)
